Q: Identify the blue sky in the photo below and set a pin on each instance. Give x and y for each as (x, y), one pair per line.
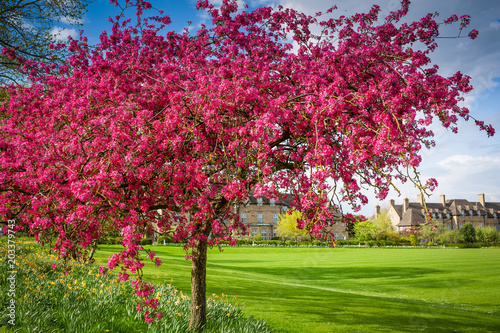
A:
(464, 164)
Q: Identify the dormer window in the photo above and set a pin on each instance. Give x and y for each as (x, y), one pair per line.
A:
(448, 215)
(440, 215)
(463, 212)
(478, 212)
(495, 215)
(471, 212)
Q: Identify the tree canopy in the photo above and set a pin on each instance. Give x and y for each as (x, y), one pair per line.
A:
(27, 26)
(287, 225)
(192, 123)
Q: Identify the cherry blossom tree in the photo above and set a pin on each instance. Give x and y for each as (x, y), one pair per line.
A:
(188, 124)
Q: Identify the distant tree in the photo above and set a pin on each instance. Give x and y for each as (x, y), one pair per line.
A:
(29, 27)
(486, 234)
(413, 240)
(450, 236)
(257, 237)
(468, 233)
(431, 231)
(385, 229)
(287, 226)
(383, 220)
(350, 221)
(364, 231)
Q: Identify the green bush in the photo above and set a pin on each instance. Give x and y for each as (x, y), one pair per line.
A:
(167, 239)
(146, 241)
(118, 240)
(316, 242)
(257, 237)
(289, 243)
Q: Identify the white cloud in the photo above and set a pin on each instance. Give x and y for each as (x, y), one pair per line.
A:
(62, 34)
(468, 165)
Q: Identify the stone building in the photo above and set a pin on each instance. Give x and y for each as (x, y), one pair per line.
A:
(262, 216)
(452, 213)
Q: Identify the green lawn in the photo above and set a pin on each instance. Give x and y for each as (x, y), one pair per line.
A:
(350, 289)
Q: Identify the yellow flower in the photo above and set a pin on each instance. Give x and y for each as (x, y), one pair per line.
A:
(229, 315)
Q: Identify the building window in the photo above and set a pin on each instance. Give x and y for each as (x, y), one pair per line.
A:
(448, 227)
(343, 223)
(243, 218)
(448, 215)
(275, 218)
(275, 233)
(440, 215)
(272, 203)
(344, 236)
(285, 208)
(259, 201)
(463, 212)
(433, 215)
(259, 218)
(263, 233)
(254, 232)
(478, 212)
(495, 215)
(336, 235)
(461, 225)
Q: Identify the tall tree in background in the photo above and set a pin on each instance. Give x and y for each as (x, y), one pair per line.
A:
(468, 233)
(194, 122)
(28, 26)
(287, 225)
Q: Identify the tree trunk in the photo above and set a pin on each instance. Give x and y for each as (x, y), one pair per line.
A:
(199, 285)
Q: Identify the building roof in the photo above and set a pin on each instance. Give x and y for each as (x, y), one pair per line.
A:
(415, 211)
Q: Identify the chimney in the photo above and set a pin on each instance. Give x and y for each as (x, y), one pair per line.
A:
(420, 199)
(443, 200)
(481, 199)
(377, 211)
(392, 202)
(406, 203)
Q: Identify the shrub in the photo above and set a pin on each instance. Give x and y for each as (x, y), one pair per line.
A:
(257, 237)
(164, 239)
(450, 236)
(316, 242)
(146, 241)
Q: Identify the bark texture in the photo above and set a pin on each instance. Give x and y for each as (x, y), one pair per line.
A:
(199, 285)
